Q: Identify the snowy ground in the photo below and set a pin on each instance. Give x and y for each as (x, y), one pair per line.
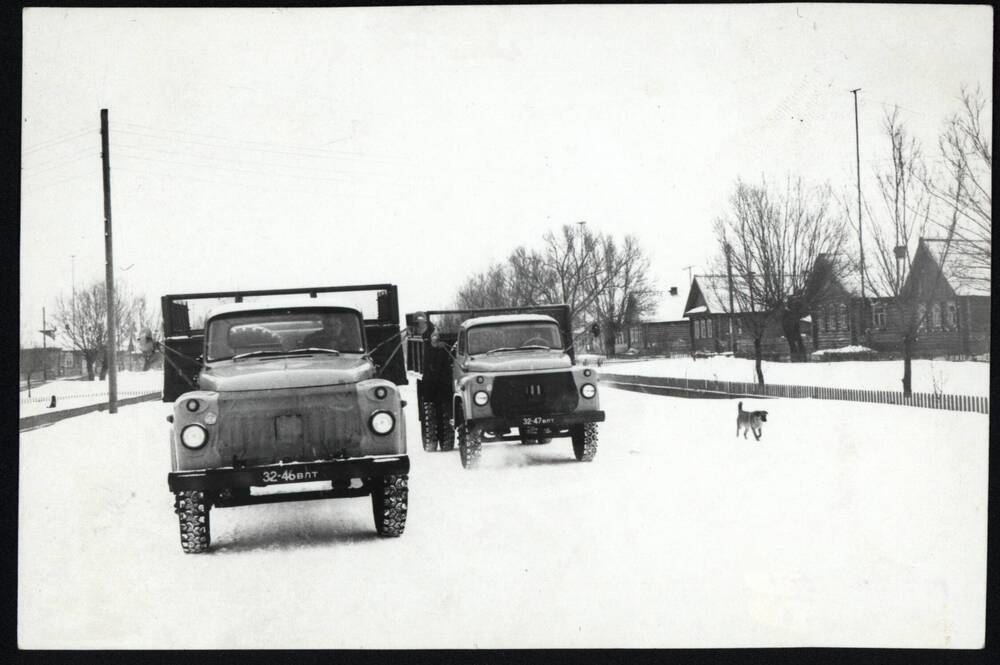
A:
(847, 525)
(71, 393)
(957, 378)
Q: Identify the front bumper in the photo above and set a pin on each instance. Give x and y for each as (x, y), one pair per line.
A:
(553, 422)
(296, 472)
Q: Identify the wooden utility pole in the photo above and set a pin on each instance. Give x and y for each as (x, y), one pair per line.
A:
(857, 159)
(729, 274)
(862, 315)
(109, 268)
(46, 333)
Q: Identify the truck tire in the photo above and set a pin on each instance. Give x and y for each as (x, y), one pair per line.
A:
(428, 427)
(470, 445)
(192, 510)
(389, 499)
(584, 441)
(447, 440)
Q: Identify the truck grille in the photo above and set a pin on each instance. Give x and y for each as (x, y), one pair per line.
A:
(269, 426)
(534, 394)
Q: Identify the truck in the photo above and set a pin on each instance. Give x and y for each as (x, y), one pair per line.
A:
(514, 378)
(285, 395)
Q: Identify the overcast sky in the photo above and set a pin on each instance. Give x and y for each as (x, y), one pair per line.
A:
(302, 147)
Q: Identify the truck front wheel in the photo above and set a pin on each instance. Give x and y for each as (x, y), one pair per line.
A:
(470, 444)
(584, 441)
(389, 498)
(192, 510)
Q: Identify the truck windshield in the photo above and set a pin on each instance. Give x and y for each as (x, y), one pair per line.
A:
(513, 336)
(275, 332)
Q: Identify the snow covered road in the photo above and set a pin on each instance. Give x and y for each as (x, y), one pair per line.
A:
(847, 525)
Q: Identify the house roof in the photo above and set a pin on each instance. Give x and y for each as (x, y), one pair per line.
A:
(966, 275)
(711, 292)
(668, 307)
(848, 279)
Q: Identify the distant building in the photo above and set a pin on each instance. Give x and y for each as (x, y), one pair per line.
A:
(664, 331)
(713, 328)
(837, 318)
(952, 299)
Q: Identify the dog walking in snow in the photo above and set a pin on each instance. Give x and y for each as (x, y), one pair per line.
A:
(749, 420)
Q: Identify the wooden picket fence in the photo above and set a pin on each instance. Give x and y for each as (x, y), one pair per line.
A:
(43, 397)
(707, 388)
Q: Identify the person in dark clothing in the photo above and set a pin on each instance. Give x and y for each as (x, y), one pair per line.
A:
(437, 386)
(333, 335)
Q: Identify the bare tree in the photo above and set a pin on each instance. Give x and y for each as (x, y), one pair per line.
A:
(964, 190)
(774, 241)
(620, 287)
(568, 268)
(903, 215)
(82, 320)
(491, 288)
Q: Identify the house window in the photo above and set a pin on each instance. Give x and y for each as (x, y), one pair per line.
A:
(936, 315)
(708, 328)
(878, 316)
(921, 317)
(843, 316)
(831, 315)
(951, 315)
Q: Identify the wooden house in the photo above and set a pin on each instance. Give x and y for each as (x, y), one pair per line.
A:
(947, 297)
(713, 328)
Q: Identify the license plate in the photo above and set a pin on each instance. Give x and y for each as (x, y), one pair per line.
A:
(272, 476)
(537, 420)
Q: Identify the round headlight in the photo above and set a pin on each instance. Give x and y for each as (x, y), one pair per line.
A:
(381, 392)
(479, 379)
(481, 398)
(192, 405)
(587, 372)
(588, 390)
(194, 436)
(382, 422)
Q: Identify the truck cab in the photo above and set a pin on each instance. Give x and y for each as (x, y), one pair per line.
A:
(514, 378)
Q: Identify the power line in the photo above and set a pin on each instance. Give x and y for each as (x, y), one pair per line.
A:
(60, 160)
(255, 186)
(56, 140)
(35, 186)
(231, 170)
(242, 162)
(324, 152)
(89, 153)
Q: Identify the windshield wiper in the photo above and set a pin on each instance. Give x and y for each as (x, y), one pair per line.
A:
(502, 348)
(251, 354)
(314, 349)
(535, 346)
